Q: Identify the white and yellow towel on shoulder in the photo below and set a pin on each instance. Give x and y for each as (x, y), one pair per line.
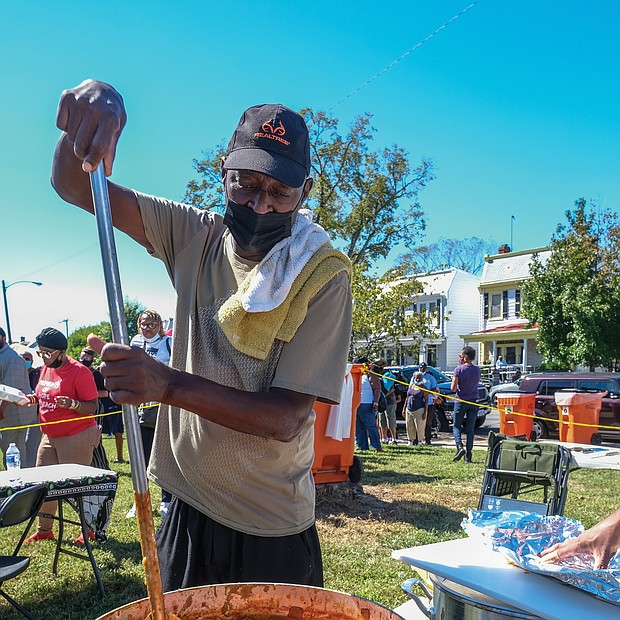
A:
(272, 301)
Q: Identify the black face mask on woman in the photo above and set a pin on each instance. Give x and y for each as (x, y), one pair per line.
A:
(254, 233)
(56, 363)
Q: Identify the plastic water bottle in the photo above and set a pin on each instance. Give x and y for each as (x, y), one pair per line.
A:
(13, 462)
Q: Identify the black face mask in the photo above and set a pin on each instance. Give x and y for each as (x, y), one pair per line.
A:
(86, 363)
(254, 233)
(56, 363)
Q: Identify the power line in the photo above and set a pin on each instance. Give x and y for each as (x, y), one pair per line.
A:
(62, 260)
(409, 51)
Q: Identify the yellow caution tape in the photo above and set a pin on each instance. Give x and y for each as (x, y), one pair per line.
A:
(86, 417)
(505, 411)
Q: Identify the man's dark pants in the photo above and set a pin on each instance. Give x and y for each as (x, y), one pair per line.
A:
(428, 429)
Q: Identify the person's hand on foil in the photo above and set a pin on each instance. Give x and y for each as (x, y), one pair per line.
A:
(601, 541)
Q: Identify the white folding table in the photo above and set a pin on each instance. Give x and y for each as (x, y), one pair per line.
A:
(68, 481)
(470, 563)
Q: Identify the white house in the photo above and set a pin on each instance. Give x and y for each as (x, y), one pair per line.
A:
(452, 296)
(501, 329)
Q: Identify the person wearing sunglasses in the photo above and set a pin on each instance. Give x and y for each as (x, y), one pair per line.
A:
(66, 392)
(154, 342)
(262, 330)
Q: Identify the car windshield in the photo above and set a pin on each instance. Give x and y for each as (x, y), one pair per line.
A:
(408, 371)
(439, 376)
(602, 385)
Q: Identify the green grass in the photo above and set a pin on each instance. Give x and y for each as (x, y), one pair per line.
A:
(408, 497)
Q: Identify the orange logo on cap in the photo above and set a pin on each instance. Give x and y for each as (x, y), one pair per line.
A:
(273, 133)
(278, 131)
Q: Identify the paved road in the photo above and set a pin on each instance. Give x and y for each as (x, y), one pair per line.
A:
(446, 440)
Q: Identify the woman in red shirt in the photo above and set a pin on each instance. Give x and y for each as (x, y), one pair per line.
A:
(66, 391)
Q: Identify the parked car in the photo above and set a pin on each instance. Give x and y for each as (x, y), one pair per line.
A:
(545, 385)
(503, 387)
(444, 412)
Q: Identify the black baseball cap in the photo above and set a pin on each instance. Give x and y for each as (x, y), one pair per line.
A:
(271, 139)
(52, 339)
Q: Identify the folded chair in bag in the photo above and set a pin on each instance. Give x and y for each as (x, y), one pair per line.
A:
(22, 506)
(516, 468)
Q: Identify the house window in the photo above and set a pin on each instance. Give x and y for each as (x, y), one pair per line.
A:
(431, 355)
(496, 306)
(433, 309)
(517, 302)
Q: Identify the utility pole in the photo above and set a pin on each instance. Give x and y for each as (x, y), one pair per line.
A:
(6, 312)
(5, 286)
(66, 322)
(512, 219)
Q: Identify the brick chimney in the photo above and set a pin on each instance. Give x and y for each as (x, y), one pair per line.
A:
(503, 249)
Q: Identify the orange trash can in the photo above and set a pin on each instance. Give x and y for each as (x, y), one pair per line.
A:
(577, 408)
(332, 457)
(510, 405)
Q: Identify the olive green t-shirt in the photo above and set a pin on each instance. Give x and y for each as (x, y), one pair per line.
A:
(252, 484)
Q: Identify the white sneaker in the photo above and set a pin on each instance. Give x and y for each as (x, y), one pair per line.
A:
(163, 508)
(131, 513)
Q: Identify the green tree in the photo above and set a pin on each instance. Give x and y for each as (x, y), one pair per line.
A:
(381, 316)
(575, 297)
(366, 199)
(77, 339)
(207, 192)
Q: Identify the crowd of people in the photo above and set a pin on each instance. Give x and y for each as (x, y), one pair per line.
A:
(69, 407)
(376, 414)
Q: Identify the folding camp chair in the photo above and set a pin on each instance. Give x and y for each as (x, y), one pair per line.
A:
(22, 506)
(516, 468)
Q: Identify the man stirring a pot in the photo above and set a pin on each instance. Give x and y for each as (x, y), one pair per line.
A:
(262, 329)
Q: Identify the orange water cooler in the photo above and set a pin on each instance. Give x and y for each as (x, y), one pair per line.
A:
(334, 459)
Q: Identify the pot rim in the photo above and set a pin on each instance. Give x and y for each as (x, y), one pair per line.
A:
(231, 593)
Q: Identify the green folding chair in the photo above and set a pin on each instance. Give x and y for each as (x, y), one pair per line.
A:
(525, 475)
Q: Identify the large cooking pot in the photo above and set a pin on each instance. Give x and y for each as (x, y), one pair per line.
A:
(456, 602)
(263, 601)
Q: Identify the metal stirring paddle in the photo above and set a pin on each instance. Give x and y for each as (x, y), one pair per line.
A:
(142, 497)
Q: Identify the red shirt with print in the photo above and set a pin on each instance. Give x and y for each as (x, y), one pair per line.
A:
(73, 380)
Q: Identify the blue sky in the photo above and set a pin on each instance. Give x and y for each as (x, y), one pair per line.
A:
(516, 103)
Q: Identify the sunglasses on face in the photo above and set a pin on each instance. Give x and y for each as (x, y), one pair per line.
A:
(150, 325)
(47, 354)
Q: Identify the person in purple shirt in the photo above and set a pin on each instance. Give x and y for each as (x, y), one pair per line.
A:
(465, 383)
